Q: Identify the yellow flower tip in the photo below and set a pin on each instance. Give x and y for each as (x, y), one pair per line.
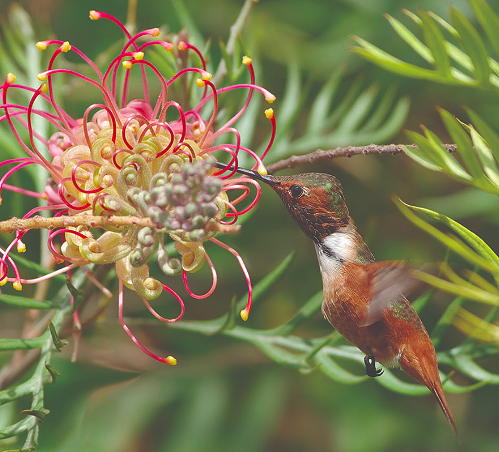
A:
(41, 45)
(94, 15)
(200, 82)
(42, 76)
(244, 314)
(262, 170)
(65, 47)
(138, 55)
(17, 285)
(270, 98)
(3, 281)
(171, 360)
(182, 45)
(21, 247)
(11, 78)
(247, 61)
(1, 201)
(168, 46)
(269, 113)
(44, 88)
(127, 64)
(154, 32)
(205, 75)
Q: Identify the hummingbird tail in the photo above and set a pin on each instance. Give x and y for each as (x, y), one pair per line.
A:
(442, 401)
(424, 369)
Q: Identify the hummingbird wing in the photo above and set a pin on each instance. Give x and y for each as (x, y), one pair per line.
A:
(388, 282)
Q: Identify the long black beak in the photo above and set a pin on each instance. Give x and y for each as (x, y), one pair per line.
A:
(268, 179)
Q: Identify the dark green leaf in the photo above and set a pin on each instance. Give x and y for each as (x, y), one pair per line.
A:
(473, 46)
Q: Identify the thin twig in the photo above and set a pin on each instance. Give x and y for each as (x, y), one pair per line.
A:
(91, 221)
(347, 151)
(235, 31)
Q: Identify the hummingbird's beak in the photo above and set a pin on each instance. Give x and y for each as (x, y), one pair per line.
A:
(268, 179)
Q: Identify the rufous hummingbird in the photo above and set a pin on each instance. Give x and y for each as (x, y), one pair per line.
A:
(362, 299)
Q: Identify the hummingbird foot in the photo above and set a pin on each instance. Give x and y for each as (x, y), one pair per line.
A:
(370, 363)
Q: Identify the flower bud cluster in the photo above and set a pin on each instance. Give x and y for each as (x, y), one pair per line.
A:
(183, 202)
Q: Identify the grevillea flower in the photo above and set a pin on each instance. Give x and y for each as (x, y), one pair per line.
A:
(125, 180)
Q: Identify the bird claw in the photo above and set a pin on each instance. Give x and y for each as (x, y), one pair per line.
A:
(370, 363)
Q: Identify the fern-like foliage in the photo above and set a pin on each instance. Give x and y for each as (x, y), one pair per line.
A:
(477, 157)
(455, 53)
(339, 115)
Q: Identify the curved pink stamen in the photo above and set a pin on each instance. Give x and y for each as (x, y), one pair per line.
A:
(245, 105)
(243, 196)
(81, 54)
(159, 124)
(267, 94)
(116, 153)
(182, 116)
(272, 137)
(214, 279)
(85, 122)
(73, 176)
(180, 148)
(164, 86)
(44, 277)
(128, 331)
(60, 191)
(243, 269)
(51, 245)
(235, 214)
(159, 316)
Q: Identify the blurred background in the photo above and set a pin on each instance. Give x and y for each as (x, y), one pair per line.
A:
(225, 395)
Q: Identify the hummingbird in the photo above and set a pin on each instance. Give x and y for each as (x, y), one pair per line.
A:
(362, 299)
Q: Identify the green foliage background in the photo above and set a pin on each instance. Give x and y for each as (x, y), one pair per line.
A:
(226, 395)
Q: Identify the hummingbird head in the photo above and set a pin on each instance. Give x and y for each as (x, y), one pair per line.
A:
(314, 200)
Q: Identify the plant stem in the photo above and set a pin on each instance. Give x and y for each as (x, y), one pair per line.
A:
(347, 151)
(91, 221)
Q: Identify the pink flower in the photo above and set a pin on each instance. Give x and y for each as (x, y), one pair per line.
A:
(151, 178)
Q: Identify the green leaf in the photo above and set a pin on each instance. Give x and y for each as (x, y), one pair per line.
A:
(24, 302)
(473, 46)
(387, 61)
(291, 100)
(468, 367)
(489, 20)
(485, 131)
(435, 41)
(410, 38)
(426, 151)
(449, 161)
(421, 158)
(334, 371)
(358, 111)
(317, 120)
(486, 157)
(458, 289)
(464, 147)
(22, 344)
(474, 240)
(445, 320)
(455, 245)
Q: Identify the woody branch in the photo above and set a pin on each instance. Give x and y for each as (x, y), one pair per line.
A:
(91, 221)
(347, 151)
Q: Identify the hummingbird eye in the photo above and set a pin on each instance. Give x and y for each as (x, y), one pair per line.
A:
(296, 191)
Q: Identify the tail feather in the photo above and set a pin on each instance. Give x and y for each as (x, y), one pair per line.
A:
(424, 369)
(442, 401)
